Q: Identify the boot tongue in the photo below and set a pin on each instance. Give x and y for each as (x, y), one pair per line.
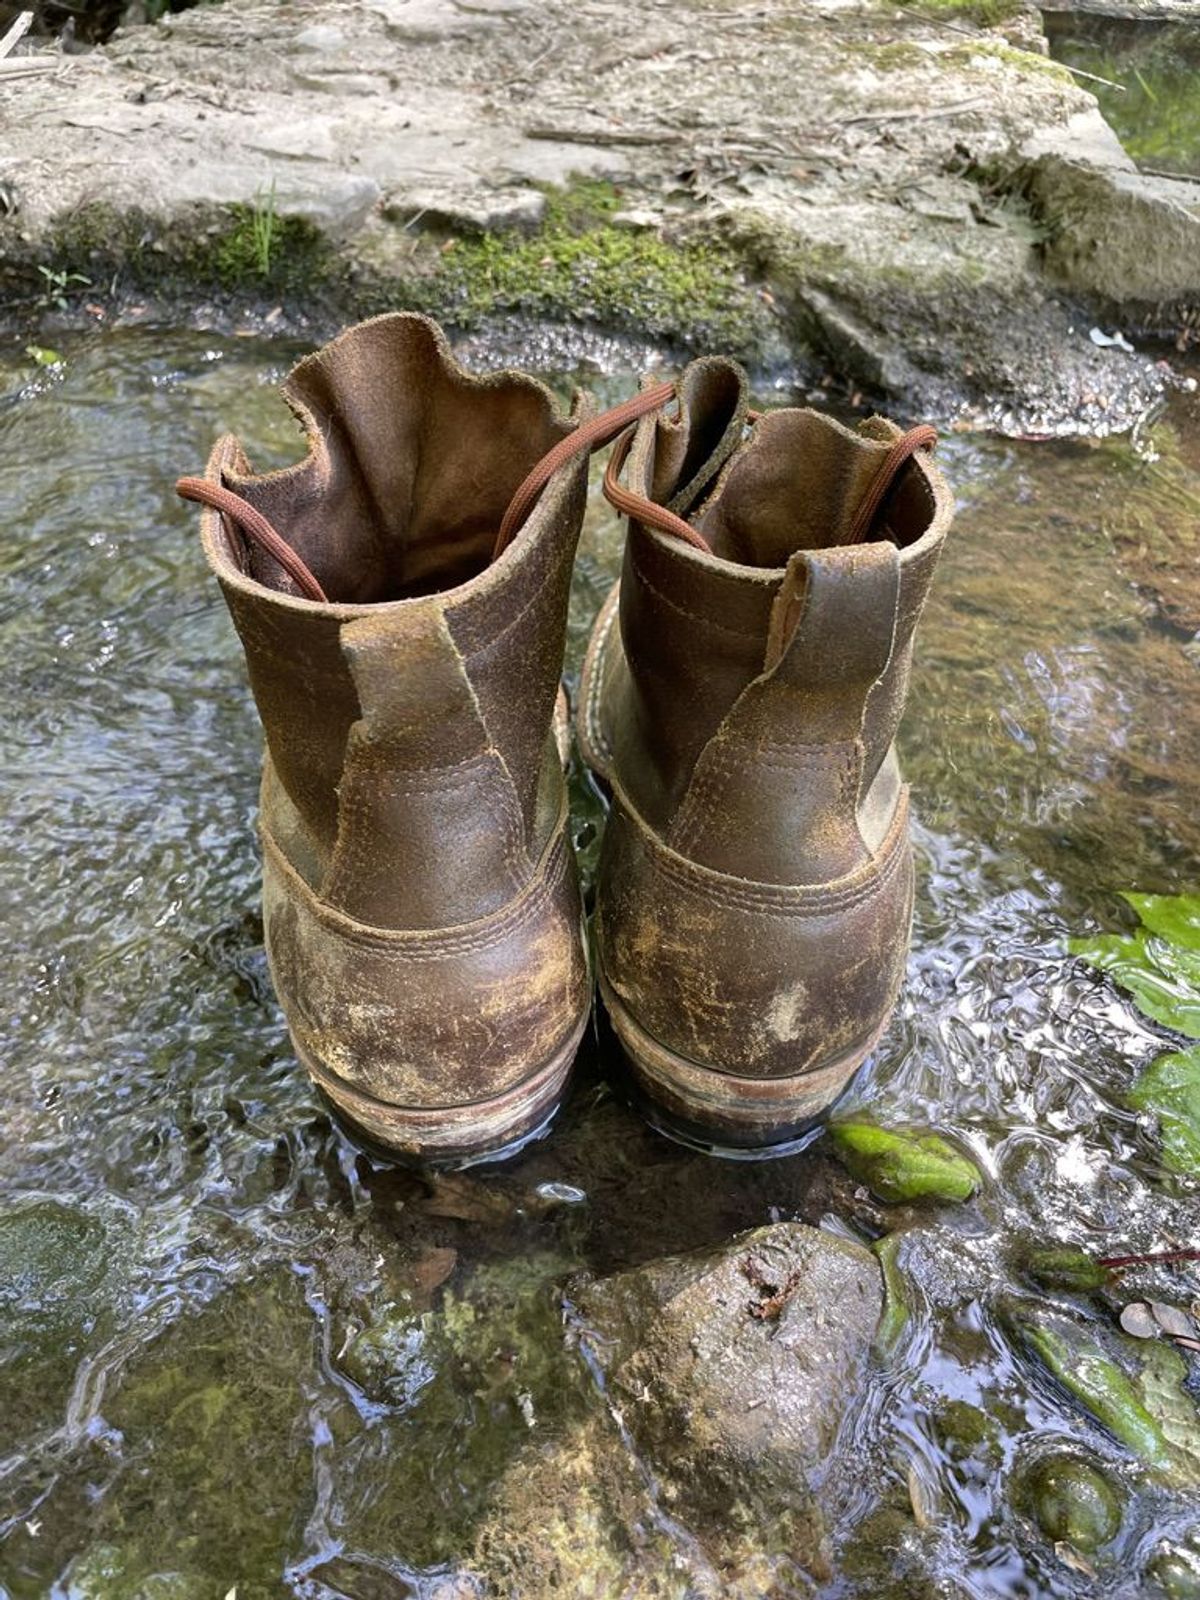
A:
(797, 484)
(676, 458)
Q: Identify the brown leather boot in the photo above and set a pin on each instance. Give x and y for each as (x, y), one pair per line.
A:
(404, 637)
(740, 697)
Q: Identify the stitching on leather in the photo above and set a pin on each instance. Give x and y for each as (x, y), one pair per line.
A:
(824, 904)
(703, 794)
(421, 944)
(791, 900)
(357, 853)
(538, 595)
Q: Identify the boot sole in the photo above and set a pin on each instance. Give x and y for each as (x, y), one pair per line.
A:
(724, 1113)
(456, 1135)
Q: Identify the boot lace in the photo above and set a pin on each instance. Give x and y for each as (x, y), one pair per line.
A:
(588, 436)
(591, 435)
(652, 515)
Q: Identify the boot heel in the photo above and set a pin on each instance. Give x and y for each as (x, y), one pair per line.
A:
(455, 1136)
(723, 1113)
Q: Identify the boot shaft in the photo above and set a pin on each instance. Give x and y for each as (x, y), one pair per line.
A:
(763, 679)
(411, 776)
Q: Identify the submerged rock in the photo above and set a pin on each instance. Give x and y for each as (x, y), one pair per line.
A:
(1174, 1572)
(1073, 1502)
(1147, 1408)
(1065, 1268)
(724, 1375)
(732, 1368)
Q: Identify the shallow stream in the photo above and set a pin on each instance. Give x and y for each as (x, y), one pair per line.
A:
(1146, 76)
(188, 1248)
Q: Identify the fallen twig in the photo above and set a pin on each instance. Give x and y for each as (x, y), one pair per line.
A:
(1155, 1258)
(1091, 77)
(1165, 172)
(603, 136)
(919, 116)
(973, 33)
(29, 66)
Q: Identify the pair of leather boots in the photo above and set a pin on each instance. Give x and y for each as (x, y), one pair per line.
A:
(401, 595)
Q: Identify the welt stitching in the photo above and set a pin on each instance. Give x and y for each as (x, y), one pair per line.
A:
(421, 944)
(796, 901)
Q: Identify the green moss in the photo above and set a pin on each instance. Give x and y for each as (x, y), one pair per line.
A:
(1073, 1501)
(1026, 61)
(987, 13)
(578, 264)
(232, 249)
(474, 1384)
(896, 55)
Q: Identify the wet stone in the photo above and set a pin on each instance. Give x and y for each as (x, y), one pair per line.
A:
(58, 1274)
(732, 1368)
(1073, 1501)
(54, 1260)
(213, 1477)
(1175, 1574)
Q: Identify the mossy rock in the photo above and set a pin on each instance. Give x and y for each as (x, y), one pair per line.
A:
(903, 1165)
(467, 1388)
(1174, 1573)
(60, 1274)
(1072, 1501)
(1065, 1268)
(217, 1476)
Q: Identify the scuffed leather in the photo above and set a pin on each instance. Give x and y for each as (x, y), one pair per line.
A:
(746, 977)
(755, 884)
(421, 903)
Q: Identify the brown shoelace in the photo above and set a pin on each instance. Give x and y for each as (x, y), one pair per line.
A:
(655, 516)
(252, 523)
(588, 436)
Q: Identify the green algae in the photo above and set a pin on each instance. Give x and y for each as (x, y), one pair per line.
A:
(1151, 1413)
(1065, 1268)
(903, 1165)
(897, 1311)
(1074, 1502)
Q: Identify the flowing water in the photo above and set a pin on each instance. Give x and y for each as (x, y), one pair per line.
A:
(1150, 88)
(190, 1252)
